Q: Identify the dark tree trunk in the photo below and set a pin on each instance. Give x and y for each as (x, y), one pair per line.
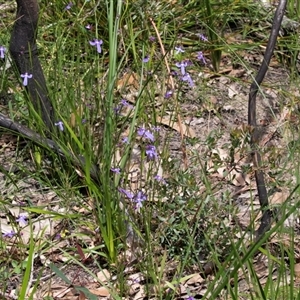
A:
(25, 55)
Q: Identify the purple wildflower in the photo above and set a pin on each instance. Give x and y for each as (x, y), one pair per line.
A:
(188, 62)
(151, 152)
(145, 134)
(182, 66)
(136, 280)
(179, 50)
(22, 220)
(2, 51)
(146, 59)
(202, 37)
(69, 6)
(200, 57)
(125, 140)
(26, 76)
(58, 236)
(9, 234)
(190, 298)
(168, 94)
(187, 77)
(83, 121)
(98, 44)
(128, 194)
(125, 103)
(88, 27)
(117, 109)
(152, 39)
(160, 179)
(116, 170)
(139, 198)
(60, 125)
(155, 128)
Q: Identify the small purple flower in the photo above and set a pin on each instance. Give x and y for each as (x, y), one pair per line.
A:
(2, 51)
(200, 57)
(146, 59)
(187, 77)
(179, 50)
(136, 280)
(22, 220)
(202, 37)
(139, 198)
(145, 133)
(88, 27)
(60, 125)
(128, 194)
(69, 6)
(182, 66)
(58, 236)
(189, 62)
(117, 109)
(83, 121)
(26, 76)
(160, 179)
(155, 128)
(98, 44)
(125, 140)
(125, 103)
(116, 170)
(190, 298)
(152, 39)
(168, 94)
(151, 152)
(9, 234)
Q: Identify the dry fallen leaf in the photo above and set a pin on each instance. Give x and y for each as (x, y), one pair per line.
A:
(134, 288)
(128, 80)
(195, 280)
(141, 294)
(81, 296)
(102, 291)
(187, 131)
(59, 291)
(104, 275)
(279, 197)
(233, 90)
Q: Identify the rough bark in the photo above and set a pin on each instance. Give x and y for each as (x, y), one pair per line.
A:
(24, 52)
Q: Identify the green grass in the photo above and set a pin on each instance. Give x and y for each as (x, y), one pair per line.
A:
(190, 221)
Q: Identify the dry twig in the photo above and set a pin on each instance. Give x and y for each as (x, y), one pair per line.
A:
(266, 219)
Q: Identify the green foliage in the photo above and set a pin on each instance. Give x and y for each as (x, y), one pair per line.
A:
(213, 36)
(188, 219)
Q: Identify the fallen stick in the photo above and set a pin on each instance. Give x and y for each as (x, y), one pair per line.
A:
(47, 143)
(266, 219)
